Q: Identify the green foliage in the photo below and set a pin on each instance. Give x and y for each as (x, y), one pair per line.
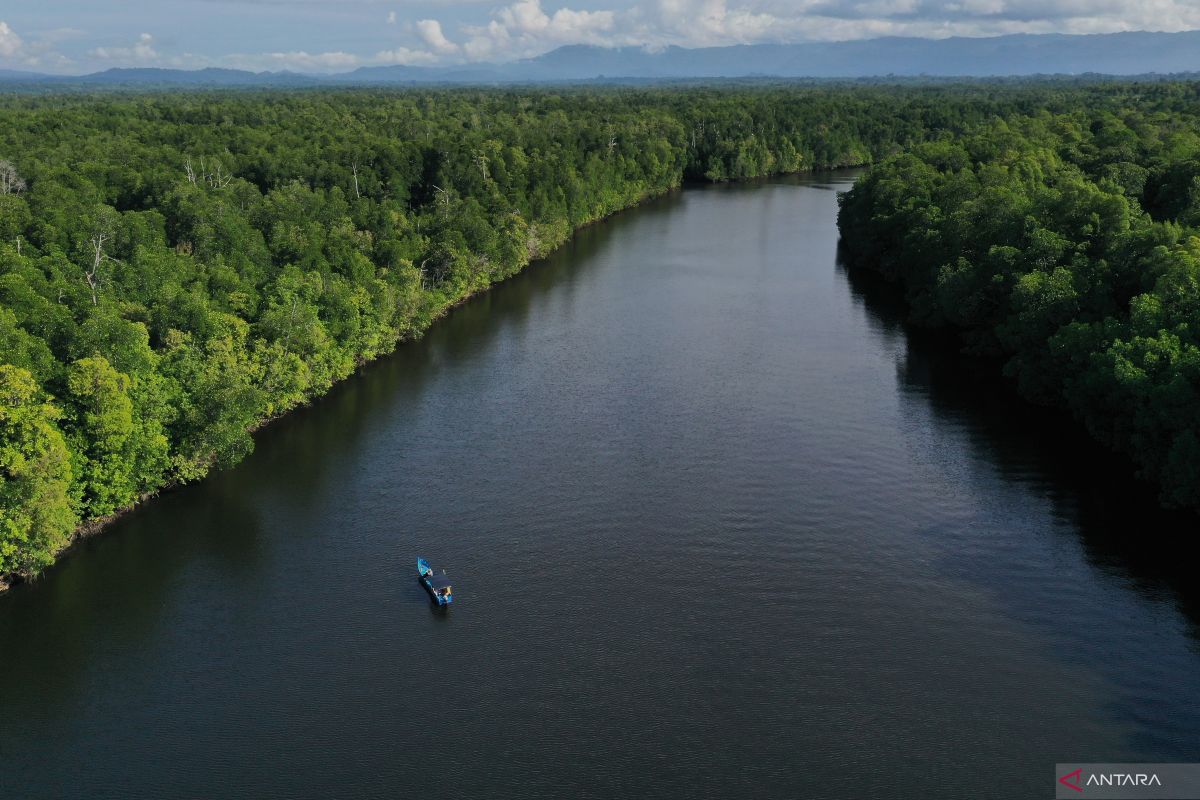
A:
(179, 268)
(35, 476)
(118, 452)
(1062, 243)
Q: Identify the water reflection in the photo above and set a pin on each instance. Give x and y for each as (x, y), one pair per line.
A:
(1120, 524)
(1095, 506)
(124, 582)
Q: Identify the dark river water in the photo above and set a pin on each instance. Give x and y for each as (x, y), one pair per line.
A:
(719, 525)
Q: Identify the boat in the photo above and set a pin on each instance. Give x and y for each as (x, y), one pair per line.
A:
(438, 586)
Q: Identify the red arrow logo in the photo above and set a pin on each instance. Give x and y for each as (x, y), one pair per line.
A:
(1073, 780)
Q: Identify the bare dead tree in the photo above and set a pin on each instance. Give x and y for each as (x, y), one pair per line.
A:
(10, 181)
(102, 234)
(612, 144)
(98, 257)
(212, 175)
(482, 162)
(443, 196)
(354, 170)
(218, 179)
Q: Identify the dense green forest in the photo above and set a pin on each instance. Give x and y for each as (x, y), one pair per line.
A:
(1068, 245)
(176, 269)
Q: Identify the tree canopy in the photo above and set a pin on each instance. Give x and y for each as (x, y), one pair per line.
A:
(1066, 245)
(175, 269)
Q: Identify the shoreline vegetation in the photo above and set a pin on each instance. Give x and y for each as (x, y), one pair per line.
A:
(90, 527)
(1066, 245)
(179, 269)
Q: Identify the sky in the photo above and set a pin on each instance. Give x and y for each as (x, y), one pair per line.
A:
(80, 36)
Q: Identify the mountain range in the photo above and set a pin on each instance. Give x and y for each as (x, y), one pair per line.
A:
(1131, 53)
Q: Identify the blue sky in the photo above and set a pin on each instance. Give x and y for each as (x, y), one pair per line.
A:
(75, 36)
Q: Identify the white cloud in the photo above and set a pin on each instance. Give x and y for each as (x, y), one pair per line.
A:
(430, 31)
(299, 59)
(406, 56)
(524, 29)
(39, 53)
(977, 7)
(699, 23)
(292, 60)
(886, 8)
(141, 51)
(10, 44)
(1106, 16)
(516, 29)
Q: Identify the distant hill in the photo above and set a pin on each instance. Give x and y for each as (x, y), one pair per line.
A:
(16, 76)
(1133, 53)
(210, 76)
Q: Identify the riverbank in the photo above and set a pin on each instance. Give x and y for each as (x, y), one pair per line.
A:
(251, 255)
(1085, 288)
(670, 400)
(538, 250)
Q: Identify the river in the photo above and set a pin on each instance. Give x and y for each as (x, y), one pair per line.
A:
(719, 526)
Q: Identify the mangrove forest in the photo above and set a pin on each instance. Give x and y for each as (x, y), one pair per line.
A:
(177, 269)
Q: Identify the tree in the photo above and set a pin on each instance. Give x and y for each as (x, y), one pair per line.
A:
(102, 427)
(36, 517)
(14, 218)
(10, 181)
(182, 267)
(102, 231)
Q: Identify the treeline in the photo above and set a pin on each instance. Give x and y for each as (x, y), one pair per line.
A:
(1066, 244)
(177, 268)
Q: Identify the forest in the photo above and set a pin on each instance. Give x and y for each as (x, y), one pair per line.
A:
(176, 269)
(1066, 246)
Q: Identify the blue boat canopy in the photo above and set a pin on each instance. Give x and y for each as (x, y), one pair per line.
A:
(439, 581)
